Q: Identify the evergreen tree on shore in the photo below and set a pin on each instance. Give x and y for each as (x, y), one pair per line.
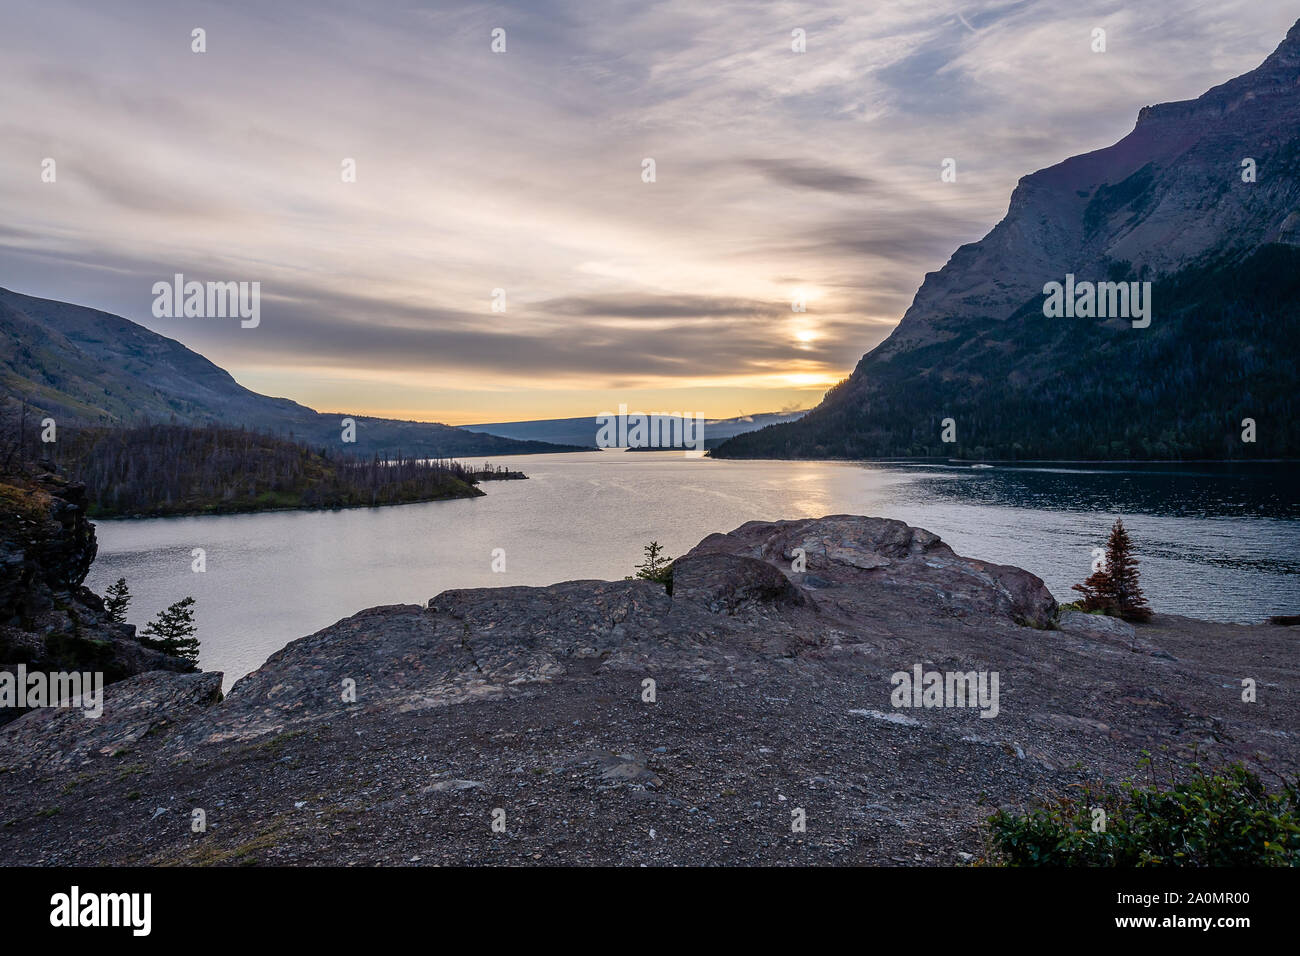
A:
(1114, 589)
(172, 631)
(116, 600)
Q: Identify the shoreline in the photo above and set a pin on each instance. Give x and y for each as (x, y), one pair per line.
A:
(1017, 461)
(224, 513)
(473, 492)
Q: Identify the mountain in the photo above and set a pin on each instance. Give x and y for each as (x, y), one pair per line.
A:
(582, 431)
(1202, 200)
(83, 366)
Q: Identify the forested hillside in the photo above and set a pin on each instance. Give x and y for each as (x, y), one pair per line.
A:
(180, 469)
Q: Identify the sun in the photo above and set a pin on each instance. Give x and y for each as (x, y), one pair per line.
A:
(807, 379)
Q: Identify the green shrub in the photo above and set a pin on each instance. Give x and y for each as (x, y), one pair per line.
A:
(1224, 818)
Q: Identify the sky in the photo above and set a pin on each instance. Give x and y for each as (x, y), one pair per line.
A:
(779, 177)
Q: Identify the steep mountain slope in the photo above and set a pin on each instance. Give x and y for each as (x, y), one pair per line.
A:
(81, 365)
(1170, 203)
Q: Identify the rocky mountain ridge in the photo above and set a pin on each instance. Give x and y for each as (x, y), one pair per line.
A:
(1201, 199)
(1164, 197)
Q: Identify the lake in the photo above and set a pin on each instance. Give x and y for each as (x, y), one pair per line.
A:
(1218, 542)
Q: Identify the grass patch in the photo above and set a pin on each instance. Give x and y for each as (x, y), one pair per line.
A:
(273, 745)
(207, 853)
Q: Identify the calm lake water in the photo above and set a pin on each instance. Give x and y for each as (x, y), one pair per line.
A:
(1214, 541)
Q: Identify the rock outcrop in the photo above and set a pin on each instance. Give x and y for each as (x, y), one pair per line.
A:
(48, 621)
(615, 722)
(46, 542)
(915, 567)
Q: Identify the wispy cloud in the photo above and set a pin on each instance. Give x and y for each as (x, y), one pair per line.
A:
(778, 175)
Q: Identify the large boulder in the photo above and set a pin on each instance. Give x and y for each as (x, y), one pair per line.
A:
(728, 583)
(1096, 625)
(884, 563)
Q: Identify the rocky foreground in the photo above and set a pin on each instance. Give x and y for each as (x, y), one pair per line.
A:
(530, 707)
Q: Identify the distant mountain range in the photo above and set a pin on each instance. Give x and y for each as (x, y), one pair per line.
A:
(582, 431)
(84, 366)
(1202, 200)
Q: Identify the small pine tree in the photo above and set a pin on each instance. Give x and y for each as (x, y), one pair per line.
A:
(172, 632)
(657, 566)
(1114, 589)
(116, 600)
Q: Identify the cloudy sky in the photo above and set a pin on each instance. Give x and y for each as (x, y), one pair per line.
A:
(777, 175)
